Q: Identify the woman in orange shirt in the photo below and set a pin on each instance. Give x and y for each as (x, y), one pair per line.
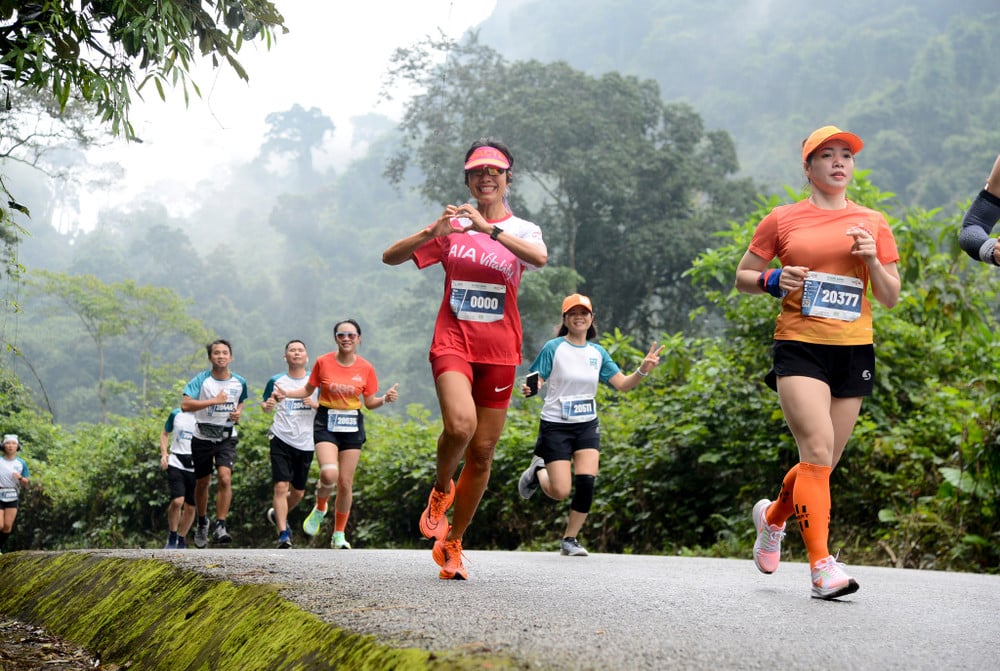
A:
(831, 252)
(345, 380)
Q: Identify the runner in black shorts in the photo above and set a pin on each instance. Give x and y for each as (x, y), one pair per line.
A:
(291, 439)
(14, 474)
(216, 398)
(345, 381)
(832, 253)
(568, 432)
(177, 461)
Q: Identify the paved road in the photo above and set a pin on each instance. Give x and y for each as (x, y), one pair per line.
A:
(614, 612)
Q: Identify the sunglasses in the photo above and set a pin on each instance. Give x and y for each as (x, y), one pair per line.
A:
(486, 170)
(350, 335)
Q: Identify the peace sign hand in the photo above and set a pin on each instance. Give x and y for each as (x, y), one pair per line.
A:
(652, 359)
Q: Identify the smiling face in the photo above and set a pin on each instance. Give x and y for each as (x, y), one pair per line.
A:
(220, 356)
(347, 336)
(487, 185)
(578, 320)
(10, 449)
(831, 167)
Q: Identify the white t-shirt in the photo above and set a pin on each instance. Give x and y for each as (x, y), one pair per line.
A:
(293, 419)
(572, 373)
(10, 486)
(180, 426)
(203, 387)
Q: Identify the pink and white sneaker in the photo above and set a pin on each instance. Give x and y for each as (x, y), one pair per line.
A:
(767, 547)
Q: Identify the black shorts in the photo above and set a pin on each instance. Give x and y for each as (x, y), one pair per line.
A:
(208, 454)
(289, 464)
(9, 504)
(849, 370)
(181, 484)
(344, 440)
(557, 441)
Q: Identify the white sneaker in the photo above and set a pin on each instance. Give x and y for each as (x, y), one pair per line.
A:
(767, 547)
(570, 547)
(528, 484)
(339, 541)
(829, 580)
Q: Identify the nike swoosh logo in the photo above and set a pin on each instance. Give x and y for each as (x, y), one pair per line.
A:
(500, 389)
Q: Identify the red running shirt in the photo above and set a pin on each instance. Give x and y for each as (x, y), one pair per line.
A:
(478, 319)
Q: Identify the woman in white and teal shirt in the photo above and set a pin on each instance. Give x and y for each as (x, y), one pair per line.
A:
(569, 431)
(14, 474)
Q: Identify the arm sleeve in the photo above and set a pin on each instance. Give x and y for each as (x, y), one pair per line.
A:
(977, 224)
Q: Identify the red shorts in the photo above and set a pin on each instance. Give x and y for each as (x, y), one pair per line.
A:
(492, 384)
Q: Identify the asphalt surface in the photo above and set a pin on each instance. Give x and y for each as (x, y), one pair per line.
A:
(630, 612)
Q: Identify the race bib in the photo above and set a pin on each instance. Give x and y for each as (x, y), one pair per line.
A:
(578, 408)
(226, 408)
(477, 301)
(296, 405)
(341, 421)
(8, 494)
(832, 296)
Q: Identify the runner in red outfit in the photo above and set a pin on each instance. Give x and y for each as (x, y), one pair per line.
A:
(477, 337)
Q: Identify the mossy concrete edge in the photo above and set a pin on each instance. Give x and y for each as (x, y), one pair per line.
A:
(155, 615)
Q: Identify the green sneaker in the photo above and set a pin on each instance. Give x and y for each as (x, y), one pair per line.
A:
(311, 525)
(339, 542)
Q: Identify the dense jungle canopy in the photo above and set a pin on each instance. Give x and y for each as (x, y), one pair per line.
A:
(649, 138)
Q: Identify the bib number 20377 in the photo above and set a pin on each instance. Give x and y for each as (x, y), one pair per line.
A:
(832, 296)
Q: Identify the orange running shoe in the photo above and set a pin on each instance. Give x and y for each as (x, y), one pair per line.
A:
(448, 555)
(434, 521)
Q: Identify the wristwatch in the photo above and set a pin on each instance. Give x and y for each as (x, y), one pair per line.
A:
(495, 233)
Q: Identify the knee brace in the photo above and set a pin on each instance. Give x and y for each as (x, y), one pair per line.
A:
(324, 470)
(583, 493)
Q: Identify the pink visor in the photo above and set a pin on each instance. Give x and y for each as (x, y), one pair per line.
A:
(487, 156)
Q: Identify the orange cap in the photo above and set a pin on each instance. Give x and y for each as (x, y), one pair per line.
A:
(573, 300)
(827, 133)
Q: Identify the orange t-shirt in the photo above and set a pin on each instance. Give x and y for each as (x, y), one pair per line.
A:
(801, 234)
(342, 387)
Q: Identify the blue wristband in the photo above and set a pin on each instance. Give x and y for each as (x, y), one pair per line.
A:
(768, 281)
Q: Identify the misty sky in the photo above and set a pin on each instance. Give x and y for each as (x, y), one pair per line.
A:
(333, 58)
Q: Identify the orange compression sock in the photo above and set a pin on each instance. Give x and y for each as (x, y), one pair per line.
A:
(783, 508)
(321, 502)
(340, 521)
(812, 508)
